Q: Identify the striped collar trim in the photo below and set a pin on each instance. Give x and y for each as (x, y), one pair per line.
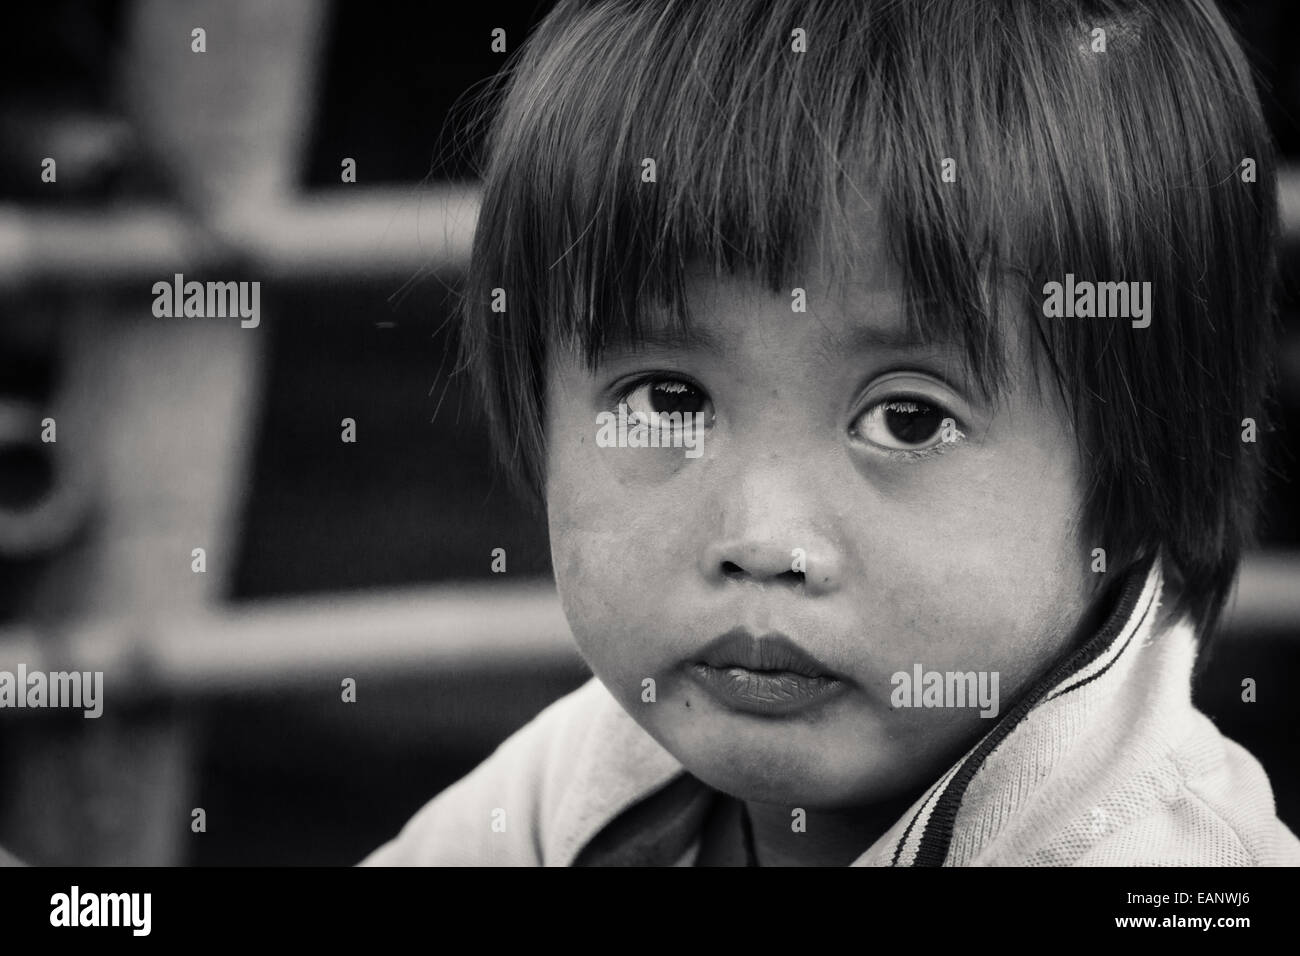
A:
(928, 835)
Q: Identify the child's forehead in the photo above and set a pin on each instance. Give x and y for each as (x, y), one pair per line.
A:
(850, 318)
(867, 308)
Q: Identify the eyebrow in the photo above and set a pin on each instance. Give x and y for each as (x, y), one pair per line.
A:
(862, 338)
(670, 339)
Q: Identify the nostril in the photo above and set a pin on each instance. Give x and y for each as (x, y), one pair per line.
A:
(733, 571)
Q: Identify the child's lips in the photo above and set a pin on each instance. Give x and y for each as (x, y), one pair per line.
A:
(767, 675)
(771, 652)
(764, 692)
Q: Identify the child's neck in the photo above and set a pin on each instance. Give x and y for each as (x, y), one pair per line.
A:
(828, 837)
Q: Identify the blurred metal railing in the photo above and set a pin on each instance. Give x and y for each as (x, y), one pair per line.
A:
(456, 628)
(357, 231)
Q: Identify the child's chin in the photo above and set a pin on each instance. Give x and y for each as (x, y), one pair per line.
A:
(836, 764)
(817, 784)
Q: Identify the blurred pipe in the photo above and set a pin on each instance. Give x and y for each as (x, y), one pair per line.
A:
(1267, 596)
(369, 231)
(98, 246)
(227, 126)
(379, 231)
(285, 643)
(51, 517)
(1288, 188)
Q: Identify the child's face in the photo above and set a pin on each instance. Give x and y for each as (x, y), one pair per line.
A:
(826, 438)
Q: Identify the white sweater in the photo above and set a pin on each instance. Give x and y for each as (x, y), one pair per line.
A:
(1104, 762)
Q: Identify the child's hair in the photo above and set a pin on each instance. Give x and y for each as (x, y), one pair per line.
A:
(1115, 155)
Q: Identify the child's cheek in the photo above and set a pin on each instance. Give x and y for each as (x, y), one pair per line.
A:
(996, 579)
(612, 552)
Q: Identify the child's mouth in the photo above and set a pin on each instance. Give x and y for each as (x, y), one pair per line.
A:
(768, 675)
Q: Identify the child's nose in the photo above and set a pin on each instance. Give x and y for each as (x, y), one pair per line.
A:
(770, 529)
(791, 561)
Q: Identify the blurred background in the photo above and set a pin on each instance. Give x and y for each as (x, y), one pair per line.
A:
(324, 560)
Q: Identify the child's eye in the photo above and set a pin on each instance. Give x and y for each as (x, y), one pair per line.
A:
(908, 425)
(659, 396)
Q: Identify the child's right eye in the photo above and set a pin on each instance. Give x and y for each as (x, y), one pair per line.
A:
(658, 396)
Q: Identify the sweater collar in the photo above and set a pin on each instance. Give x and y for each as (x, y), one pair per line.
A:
(924, 836)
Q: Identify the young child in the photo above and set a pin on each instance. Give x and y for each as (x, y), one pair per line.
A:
(882, 368)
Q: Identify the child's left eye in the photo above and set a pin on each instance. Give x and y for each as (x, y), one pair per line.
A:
(907, 425)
